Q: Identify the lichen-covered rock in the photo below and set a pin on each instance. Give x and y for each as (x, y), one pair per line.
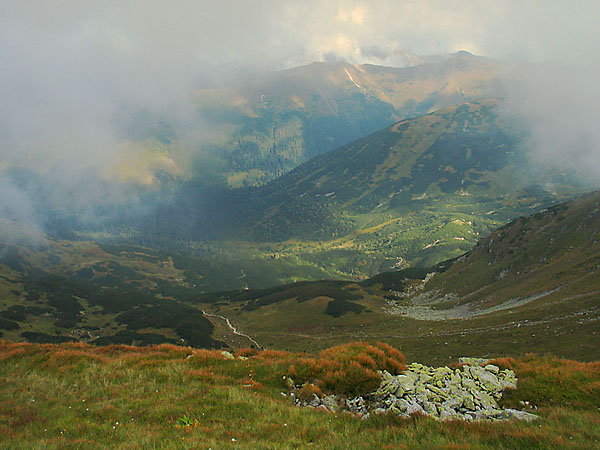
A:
(414, 408)
(489, 382)
(330, 403)
(227, 355)
(356, 405)
(468, 393)
(472, 361)
(492, 368)
(314, 401)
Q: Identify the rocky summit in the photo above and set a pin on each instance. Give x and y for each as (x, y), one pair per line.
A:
(467, 393)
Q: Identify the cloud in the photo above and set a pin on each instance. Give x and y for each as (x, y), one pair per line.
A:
(354, 15)
(559, 104)
(72, 70)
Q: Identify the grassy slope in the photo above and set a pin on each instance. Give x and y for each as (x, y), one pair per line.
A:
(76, 396)
(555, 249)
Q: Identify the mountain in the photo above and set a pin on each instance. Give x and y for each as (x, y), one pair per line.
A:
(553, 255)
(417, 192)
(530, 286)
(264, 127)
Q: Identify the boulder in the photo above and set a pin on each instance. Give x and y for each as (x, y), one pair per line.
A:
(356, 405)
(330, 403)
(489, 382)
(314, 401)
(414, 408)
(472, 361)
(227, 355)
(492, 368)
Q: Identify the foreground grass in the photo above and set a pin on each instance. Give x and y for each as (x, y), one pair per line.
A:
(83, 397)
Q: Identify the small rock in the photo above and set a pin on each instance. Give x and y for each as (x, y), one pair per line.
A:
(356, 405)
(227, 355)
(414, 408)
(330, 403)
(314, 401)
(521, 415)
(492, 368)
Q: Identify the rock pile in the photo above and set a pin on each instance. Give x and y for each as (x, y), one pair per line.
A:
(469, 393)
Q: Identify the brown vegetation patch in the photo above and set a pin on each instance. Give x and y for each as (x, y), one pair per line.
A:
(349, 368)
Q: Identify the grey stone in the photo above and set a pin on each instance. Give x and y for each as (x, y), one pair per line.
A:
(521, 415)
(401, 404)
(492, 368)
(386, 376)
(472, 361)
(314, 401)
(489, 382)
(453, 403)
(330, 403)
(356, 405)
(414, 408)
(406, 382)
(468, 403)
(227, 355)
(468, 384)
(430, 408)
(448, 413)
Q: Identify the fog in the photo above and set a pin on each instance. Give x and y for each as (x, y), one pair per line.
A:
(73, 71)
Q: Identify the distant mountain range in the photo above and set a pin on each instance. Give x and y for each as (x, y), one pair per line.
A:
(261, 126)
(264, 127)
(417, 192)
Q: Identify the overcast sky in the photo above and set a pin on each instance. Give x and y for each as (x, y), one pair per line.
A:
(67, 66)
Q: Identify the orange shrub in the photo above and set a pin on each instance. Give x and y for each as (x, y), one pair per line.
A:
(504, 363)
(273, 354)
(246, 352)
(549, 380)
(349, 368)
(307, 391)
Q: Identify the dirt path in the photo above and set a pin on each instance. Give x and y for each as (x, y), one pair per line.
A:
(233, 329)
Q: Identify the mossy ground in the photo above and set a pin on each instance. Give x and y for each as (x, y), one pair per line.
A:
(83, 397)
